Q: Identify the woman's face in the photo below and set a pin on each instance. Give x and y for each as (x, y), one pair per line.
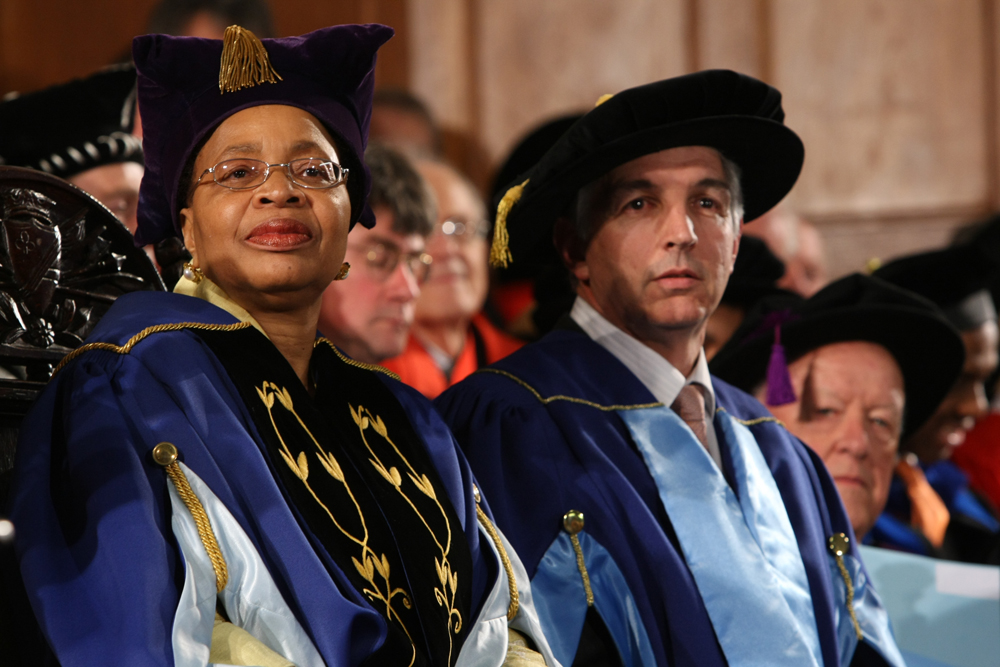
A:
(279, 244)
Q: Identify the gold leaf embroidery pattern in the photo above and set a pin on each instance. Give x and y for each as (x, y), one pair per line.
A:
(372, 563)
(380, 591)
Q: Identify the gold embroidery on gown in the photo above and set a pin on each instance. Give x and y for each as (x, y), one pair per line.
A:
(372, 565)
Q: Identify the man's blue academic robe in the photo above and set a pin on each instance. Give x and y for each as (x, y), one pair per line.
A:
(546, 431)
(99, 558)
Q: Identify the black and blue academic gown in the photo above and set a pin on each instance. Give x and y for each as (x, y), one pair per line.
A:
(347, 519)
(973, 533)
(683, 563)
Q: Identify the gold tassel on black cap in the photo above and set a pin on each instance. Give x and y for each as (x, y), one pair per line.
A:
(500, 250)
(244, 61)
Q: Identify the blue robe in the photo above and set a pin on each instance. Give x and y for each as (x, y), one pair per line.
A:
(544, 432)
(100, 560)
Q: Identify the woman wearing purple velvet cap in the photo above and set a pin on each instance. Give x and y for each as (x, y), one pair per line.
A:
(206, 481)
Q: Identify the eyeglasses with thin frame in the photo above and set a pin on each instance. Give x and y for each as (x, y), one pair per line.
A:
(462, 231)
(383, 258)
(247, 173)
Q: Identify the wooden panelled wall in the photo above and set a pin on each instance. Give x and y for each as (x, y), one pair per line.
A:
(896, 100)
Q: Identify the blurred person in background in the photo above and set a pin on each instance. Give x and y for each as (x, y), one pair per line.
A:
(979, 455)
(369, 316)
(209, 18)
(80, 131)
(401, 120)
(931, 508)
(755, 277)
(451, 338)
(798, 244)
(867, 363)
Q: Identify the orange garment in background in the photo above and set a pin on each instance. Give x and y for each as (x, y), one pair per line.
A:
(416, 367)
(979, 457)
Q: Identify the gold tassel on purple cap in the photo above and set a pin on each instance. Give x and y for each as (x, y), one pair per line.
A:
(244, 61)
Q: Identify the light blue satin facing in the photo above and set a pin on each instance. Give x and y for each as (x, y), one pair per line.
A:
(741, 550)
(561, 601)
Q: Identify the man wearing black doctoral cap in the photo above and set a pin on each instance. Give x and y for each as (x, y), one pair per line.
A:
(867, 364)
(957, 280)
(80, 131)
(664, 516)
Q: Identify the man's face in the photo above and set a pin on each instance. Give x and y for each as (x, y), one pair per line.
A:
(116, 186)
(459, 278)
(369, 314)
(850, 412)
(662, 245)
(965, 403)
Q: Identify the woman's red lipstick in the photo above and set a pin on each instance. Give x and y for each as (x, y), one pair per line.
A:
(279, 234)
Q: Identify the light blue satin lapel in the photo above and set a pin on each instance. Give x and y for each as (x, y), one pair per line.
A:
(742, 551)
(561, 601)
(871, 615)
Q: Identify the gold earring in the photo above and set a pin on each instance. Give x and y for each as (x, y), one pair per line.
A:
(345, 269)
(192, 273)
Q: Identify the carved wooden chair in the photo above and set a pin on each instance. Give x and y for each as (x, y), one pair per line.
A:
(64, 259)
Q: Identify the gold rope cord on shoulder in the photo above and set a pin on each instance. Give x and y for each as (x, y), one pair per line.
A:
(754, 422)
(245, 62)
(353, 362)
(838, 547)
(500, 249)
(504, 558)
(148, 331)
(573, 522)
(165, 454)
(569, 399)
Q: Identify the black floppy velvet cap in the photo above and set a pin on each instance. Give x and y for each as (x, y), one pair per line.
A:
(70, 128)
(949, 277)
(329, 72)
(927, 348)
(737, 115)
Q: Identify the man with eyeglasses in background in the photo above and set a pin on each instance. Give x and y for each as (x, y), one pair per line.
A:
(451, 338)
(369, 315)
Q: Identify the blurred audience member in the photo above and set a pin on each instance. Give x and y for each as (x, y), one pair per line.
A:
(797, 243)
(450, 337)
(369, 316)
(403, 121)
(755, 277)
(530, 298)
(80, 131)
(956, 279)
(868, 362)
(979, 455)
(209, 18)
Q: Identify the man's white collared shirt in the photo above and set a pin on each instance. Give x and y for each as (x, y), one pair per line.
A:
(653, 370)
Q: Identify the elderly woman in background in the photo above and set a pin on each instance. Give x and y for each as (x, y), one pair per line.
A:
(206, 481)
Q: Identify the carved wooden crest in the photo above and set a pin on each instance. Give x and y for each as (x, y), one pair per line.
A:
(64, 259)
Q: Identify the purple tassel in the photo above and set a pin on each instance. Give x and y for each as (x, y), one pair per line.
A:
(779, 383)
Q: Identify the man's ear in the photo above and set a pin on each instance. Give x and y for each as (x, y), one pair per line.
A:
(572, 250)
(736, 245)
(187, 232)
